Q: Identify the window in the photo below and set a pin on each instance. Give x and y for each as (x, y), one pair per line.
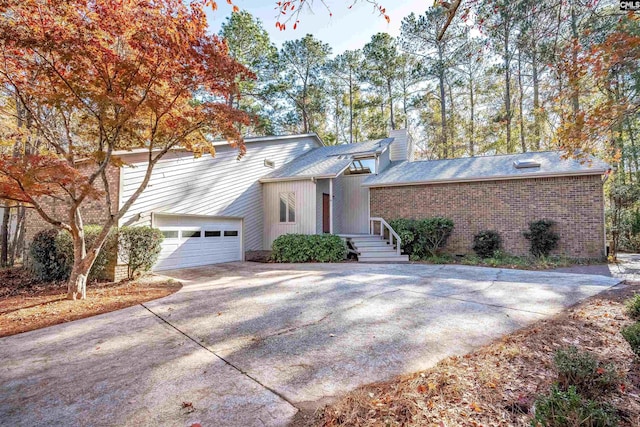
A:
(186, 234)
(231, 233)
(215, 233)
(170, 234)
(287, 207)
(361, 167)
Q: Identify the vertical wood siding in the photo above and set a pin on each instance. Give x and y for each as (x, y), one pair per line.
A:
(400, 145)
(355, 205)
(305, 221)
(220, 186)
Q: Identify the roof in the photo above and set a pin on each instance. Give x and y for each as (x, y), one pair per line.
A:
(484, 168)
(326, 162)
(219, 142)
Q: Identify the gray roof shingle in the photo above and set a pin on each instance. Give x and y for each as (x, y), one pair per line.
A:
(484, 168)
(326, 162)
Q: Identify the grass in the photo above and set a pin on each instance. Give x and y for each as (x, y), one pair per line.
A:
(504, 260)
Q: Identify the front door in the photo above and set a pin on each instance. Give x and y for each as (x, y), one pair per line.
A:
(326, 213)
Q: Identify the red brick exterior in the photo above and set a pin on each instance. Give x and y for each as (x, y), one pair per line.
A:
(93, 211)
(575, 203)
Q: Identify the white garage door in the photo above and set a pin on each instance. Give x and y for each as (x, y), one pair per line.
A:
(193, 241)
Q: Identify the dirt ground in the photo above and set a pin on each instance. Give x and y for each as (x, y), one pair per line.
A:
(497, 385)
(27, 304)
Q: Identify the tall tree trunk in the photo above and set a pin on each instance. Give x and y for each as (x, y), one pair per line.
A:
(443, 104)
(573, 81)
(4, 236)
(507, 89)
(536, 99)
(443, 119)
(472, 124)
(452, 125)
(350, 106)
(389, 90)
(16, 242)
(523, 144)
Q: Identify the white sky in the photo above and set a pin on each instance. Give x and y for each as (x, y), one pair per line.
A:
(346, 29)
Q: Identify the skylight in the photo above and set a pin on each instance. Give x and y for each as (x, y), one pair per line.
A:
(526, 163)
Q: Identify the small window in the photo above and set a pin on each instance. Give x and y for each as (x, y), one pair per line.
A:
(170, 234)
(215, 233)
(231, 233)
(187, 234)
(269, 163)
(287, 207)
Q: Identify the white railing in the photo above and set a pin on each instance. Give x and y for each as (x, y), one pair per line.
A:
(385, 225)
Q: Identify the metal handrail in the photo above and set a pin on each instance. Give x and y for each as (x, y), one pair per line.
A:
(392, 233)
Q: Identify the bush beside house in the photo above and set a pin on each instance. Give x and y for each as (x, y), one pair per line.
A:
(138, 248)
(308, 248)
(52, 252)
(423, 237)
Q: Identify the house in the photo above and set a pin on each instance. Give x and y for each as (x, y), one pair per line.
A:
(214, 210)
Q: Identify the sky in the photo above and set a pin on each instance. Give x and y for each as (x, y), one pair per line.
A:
(347, 29)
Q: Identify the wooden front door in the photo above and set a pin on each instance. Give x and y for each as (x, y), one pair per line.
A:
(326, 213)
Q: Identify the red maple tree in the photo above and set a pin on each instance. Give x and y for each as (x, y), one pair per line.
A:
(97, 77)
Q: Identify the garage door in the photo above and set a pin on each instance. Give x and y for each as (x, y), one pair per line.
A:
(193, 241)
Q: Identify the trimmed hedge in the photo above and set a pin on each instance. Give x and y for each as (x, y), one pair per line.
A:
(487, 243)
(308, 248)
(139, 248)
(52, 254)
(423, 237)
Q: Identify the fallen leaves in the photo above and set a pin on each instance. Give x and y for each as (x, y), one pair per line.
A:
(497, 384)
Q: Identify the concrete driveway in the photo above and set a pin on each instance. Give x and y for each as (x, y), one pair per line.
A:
(245, 344)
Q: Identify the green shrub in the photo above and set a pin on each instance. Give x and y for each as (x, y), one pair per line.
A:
(487, 243)
(52, 254)
(308, 248)
(139, 247)
(423, 237)
(633, 307)
(632, 335)
(584, 372)
(562, 408)
(47, 263)
(543, 239)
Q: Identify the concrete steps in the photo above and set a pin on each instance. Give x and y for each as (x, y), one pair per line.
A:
(376, 249)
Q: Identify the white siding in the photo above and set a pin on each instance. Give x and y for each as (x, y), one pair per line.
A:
(220, 186)
(338, 203)
(383, 160)
(305, 221)
(400, 145)
(355, 205)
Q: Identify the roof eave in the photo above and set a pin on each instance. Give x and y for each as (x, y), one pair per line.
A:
(480, 179)
(298, 178)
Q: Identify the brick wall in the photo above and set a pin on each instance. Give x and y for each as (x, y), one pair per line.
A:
(93, 211)
(575, 203)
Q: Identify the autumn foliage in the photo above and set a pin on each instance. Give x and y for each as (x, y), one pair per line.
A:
(92, 78)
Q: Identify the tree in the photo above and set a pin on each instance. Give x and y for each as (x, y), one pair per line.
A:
(381, 63)
(301, 79)
(437, 58)
(250, 45)
(345, 68)
(97, 77)
(500, 18)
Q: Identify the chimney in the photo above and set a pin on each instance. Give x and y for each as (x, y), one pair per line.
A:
(401, 148)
